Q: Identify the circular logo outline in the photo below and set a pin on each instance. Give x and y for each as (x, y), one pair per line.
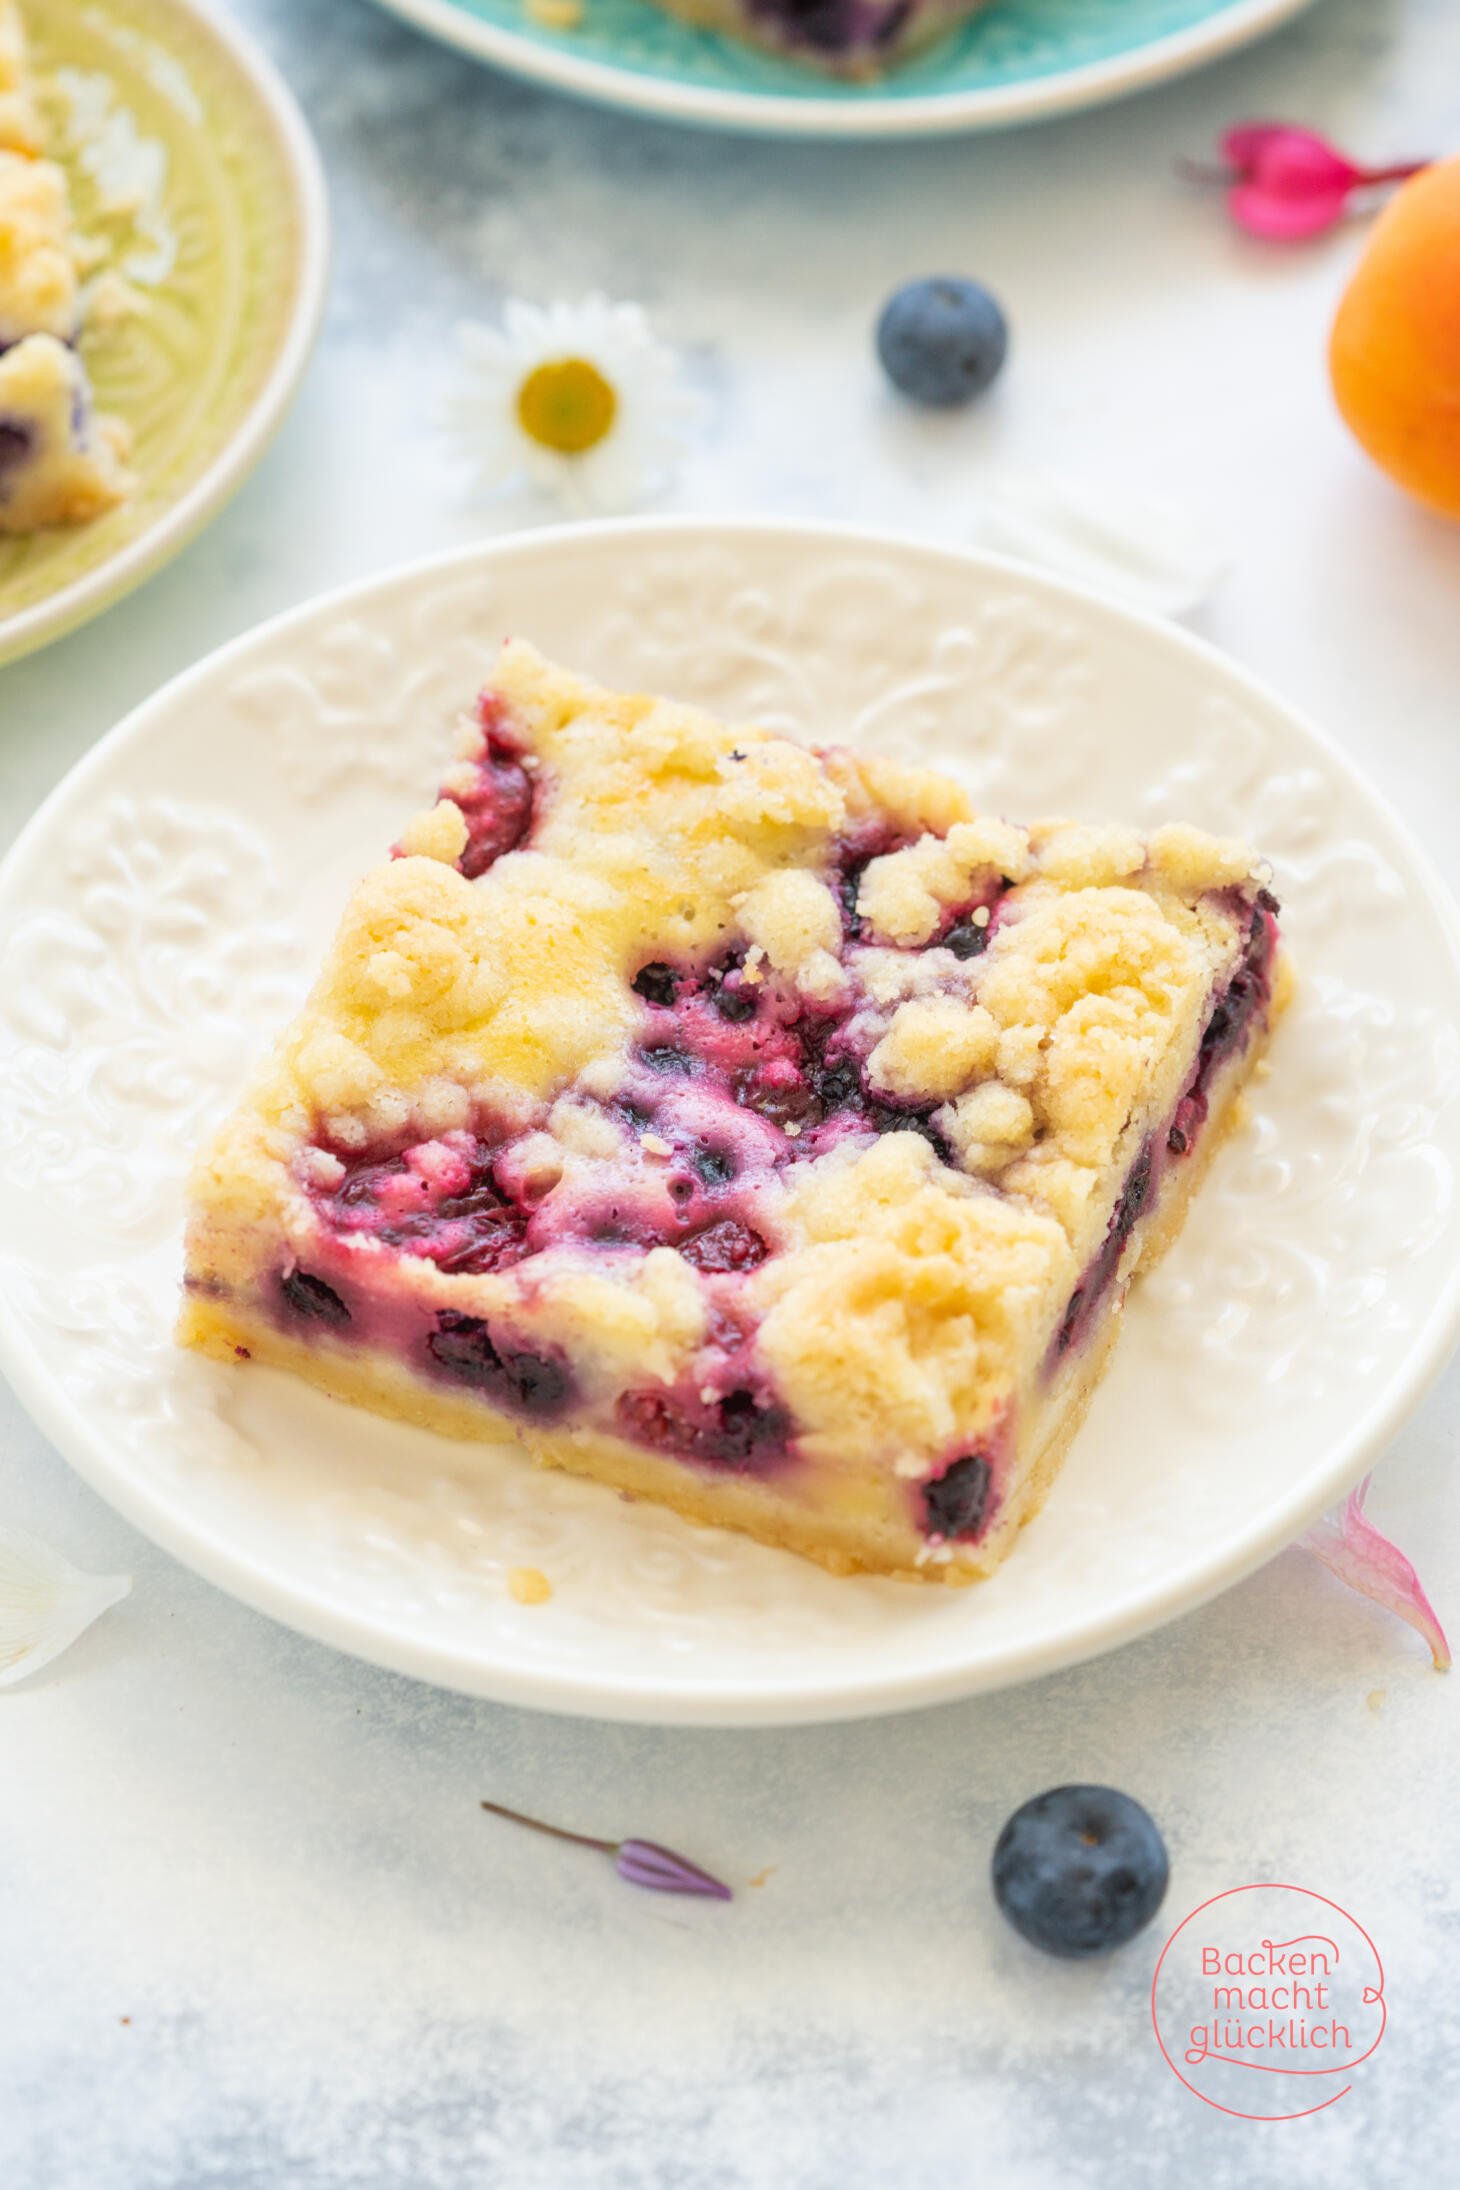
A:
(1372, 1994)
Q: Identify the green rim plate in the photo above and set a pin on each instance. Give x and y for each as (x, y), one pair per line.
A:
(234, 252)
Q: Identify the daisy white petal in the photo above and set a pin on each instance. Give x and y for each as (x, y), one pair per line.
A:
(579, 401)
(45, 1603)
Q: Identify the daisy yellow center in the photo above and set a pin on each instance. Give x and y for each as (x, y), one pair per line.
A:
(566, 405)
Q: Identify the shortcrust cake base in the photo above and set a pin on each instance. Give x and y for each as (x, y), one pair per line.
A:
(843, 1541)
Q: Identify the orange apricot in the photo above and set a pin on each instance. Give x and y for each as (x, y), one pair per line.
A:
(1394, 354)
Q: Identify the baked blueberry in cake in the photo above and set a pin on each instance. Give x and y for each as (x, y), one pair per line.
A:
(858, 38)
(760, 1130)
(60, 461)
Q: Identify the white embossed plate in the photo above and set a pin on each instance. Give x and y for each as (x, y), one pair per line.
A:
(166, 907)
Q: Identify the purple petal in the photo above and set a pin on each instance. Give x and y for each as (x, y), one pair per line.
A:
(1353, 1549)
(642, 1863)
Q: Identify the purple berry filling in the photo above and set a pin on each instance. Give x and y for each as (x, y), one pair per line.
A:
(657, 983)
(724, 1247)
(310, 1297)
(1086, 1299)
(438, 1199)
(1228, 1030)
(17, 444)
(958, 1504)
(497, 809)
(742, 1431)
(462, 1347)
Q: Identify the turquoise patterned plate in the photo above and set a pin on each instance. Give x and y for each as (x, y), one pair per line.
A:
(1015, 61)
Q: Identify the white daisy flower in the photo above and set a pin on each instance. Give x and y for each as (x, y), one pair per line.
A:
(577, 400)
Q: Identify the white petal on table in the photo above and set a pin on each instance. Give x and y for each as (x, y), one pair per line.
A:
(45, 1603)
(1140, 548)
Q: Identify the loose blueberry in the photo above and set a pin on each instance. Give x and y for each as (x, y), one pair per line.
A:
(1079, 1870)
(942, 341)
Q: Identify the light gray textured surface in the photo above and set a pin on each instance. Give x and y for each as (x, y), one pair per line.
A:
(255, 1932)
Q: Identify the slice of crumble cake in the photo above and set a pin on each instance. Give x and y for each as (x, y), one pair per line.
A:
(758, 1130)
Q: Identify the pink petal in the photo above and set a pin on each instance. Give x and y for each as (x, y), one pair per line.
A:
(1298, 166)
(1270, 148)
(1353, 1549)
(1240, 147)
(1279, 219)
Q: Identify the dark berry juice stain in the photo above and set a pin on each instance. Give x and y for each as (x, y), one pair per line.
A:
(310, 1297)
(838, 1085)
(732, 997)
(462, 1347)
(967, 938)
(846, 886)
(1229, 1027)
(17, 440)
(657, 983)
(715, 1166)
(957, 1505)
(667, 1057)
(1089, 1293)
(740, 1432)
(498, 808)
(780, 1096)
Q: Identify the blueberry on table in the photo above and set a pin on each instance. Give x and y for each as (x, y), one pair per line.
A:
(942, 341)
(1080, 1870)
